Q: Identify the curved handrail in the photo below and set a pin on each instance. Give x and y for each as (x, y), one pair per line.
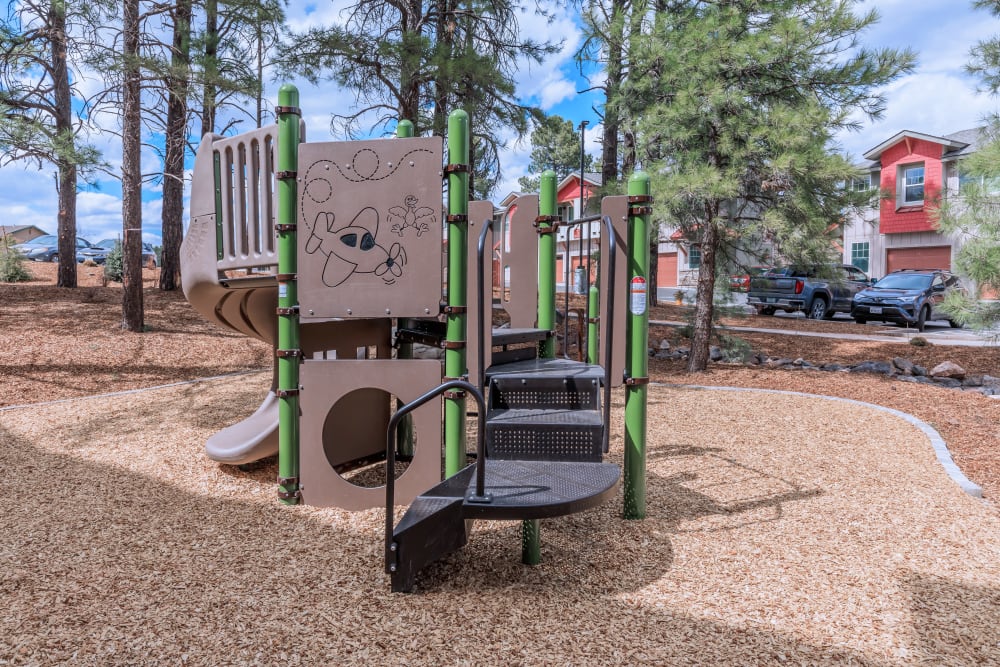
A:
(390, 449)
(480, 308)
(609, 329)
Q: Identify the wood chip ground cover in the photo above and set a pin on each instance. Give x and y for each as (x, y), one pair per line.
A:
(841, 543)
(833, 539)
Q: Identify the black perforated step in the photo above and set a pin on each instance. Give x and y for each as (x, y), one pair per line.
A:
(547, 368)
(541, 393)
(510, 336)
(545, 435)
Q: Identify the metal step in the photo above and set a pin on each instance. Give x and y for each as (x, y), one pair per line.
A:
(547, 368)
(516, 391)
(545, 435)
(433, 527)
(438, 522)
(513, 336)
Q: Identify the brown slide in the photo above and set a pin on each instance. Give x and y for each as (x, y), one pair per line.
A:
(235, 287)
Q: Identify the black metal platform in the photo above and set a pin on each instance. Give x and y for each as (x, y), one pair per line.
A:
(438, 522)
(513, 336)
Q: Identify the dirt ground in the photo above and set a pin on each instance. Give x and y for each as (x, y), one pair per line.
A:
(837, 540)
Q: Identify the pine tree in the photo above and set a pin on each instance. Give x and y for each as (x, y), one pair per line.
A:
(38, 123)
(743, 98)
(555, 145)
(420, 60)
(973, 214)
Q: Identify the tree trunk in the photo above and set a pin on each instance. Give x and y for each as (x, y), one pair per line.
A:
(211, 67)
(132, 310)
(701, 337)
(172, 215)
(612, 87)
(64, 130)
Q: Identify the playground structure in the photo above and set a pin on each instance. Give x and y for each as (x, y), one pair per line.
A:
(331, 252)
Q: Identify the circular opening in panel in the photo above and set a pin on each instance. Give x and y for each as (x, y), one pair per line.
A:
(354, 437)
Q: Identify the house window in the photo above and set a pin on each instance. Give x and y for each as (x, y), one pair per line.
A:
(565, 212)
(862, 183)
(859, 255)
(694, 257)
(912, 179)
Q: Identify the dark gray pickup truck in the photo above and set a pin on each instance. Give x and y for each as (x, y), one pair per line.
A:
(819, 292)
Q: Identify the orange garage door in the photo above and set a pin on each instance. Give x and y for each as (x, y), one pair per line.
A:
(931, 257)
(666, 269)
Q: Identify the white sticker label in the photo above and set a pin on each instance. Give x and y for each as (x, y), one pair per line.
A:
(637, 303)
(282, 290)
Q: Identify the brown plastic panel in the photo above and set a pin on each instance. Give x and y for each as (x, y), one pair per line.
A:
(479, 211)
(522, 259)
(617, 209)
(361, 428)
(370, 228)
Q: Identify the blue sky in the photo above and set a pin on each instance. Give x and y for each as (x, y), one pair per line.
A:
(938, 98)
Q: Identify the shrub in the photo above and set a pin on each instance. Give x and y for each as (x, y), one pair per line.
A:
(919, 341)
(114, 265)
(12, 264)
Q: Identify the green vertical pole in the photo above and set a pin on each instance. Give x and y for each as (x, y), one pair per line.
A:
(404, 431)
(288, 300)
(454, 354)
(531, 529)
(547, 263)
(636, 341)
(593, 337)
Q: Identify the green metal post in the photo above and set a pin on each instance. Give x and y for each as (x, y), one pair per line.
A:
(454, 354)
(531, 529)
(593, 337)
(547, 264)
(404, 432)
(636, 354)
(288, 300)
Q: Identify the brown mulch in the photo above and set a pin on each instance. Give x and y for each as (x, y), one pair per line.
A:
(61, 343)
(770, 538)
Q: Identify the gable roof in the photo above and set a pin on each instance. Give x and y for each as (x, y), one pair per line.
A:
(589, 177)
(951, 143)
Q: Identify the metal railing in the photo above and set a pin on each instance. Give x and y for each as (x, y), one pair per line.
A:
(390, 452)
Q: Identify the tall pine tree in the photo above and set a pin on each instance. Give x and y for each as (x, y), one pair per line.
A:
(743, 98)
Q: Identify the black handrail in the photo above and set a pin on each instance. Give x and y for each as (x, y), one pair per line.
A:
(484, 336)
(609, 327)
(566, 285)
(390, 450)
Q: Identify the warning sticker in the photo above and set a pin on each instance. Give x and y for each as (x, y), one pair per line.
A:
(637, 292)
(282, 290)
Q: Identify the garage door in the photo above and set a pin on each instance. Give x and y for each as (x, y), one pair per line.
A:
(931, 257)
(666, 269)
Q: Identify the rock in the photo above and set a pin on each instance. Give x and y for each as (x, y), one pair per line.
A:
(948, 369)
(831, 367)
(683, 350)
(715, 353)
(776, 363)
(904, 365)
(877, 367)
(919, 370)
(972, 381)
(951, 383)
(990, 381)
(664, 344)
(799, 361)
(907, 378)
(663, 354)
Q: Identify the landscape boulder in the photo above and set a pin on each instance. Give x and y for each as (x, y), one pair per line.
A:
(948, 369)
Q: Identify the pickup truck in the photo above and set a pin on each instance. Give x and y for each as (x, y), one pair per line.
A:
(819, 292)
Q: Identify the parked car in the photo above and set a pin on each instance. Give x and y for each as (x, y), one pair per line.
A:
(46, 248)
(148, 254)
(96, 254)
(740, 282)
(910, 297)
(817, 291)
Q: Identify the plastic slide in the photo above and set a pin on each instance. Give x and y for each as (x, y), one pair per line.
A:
(244, 304)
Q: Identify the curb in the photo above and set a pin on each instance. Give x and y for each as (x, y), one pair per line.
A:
(937, 442)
